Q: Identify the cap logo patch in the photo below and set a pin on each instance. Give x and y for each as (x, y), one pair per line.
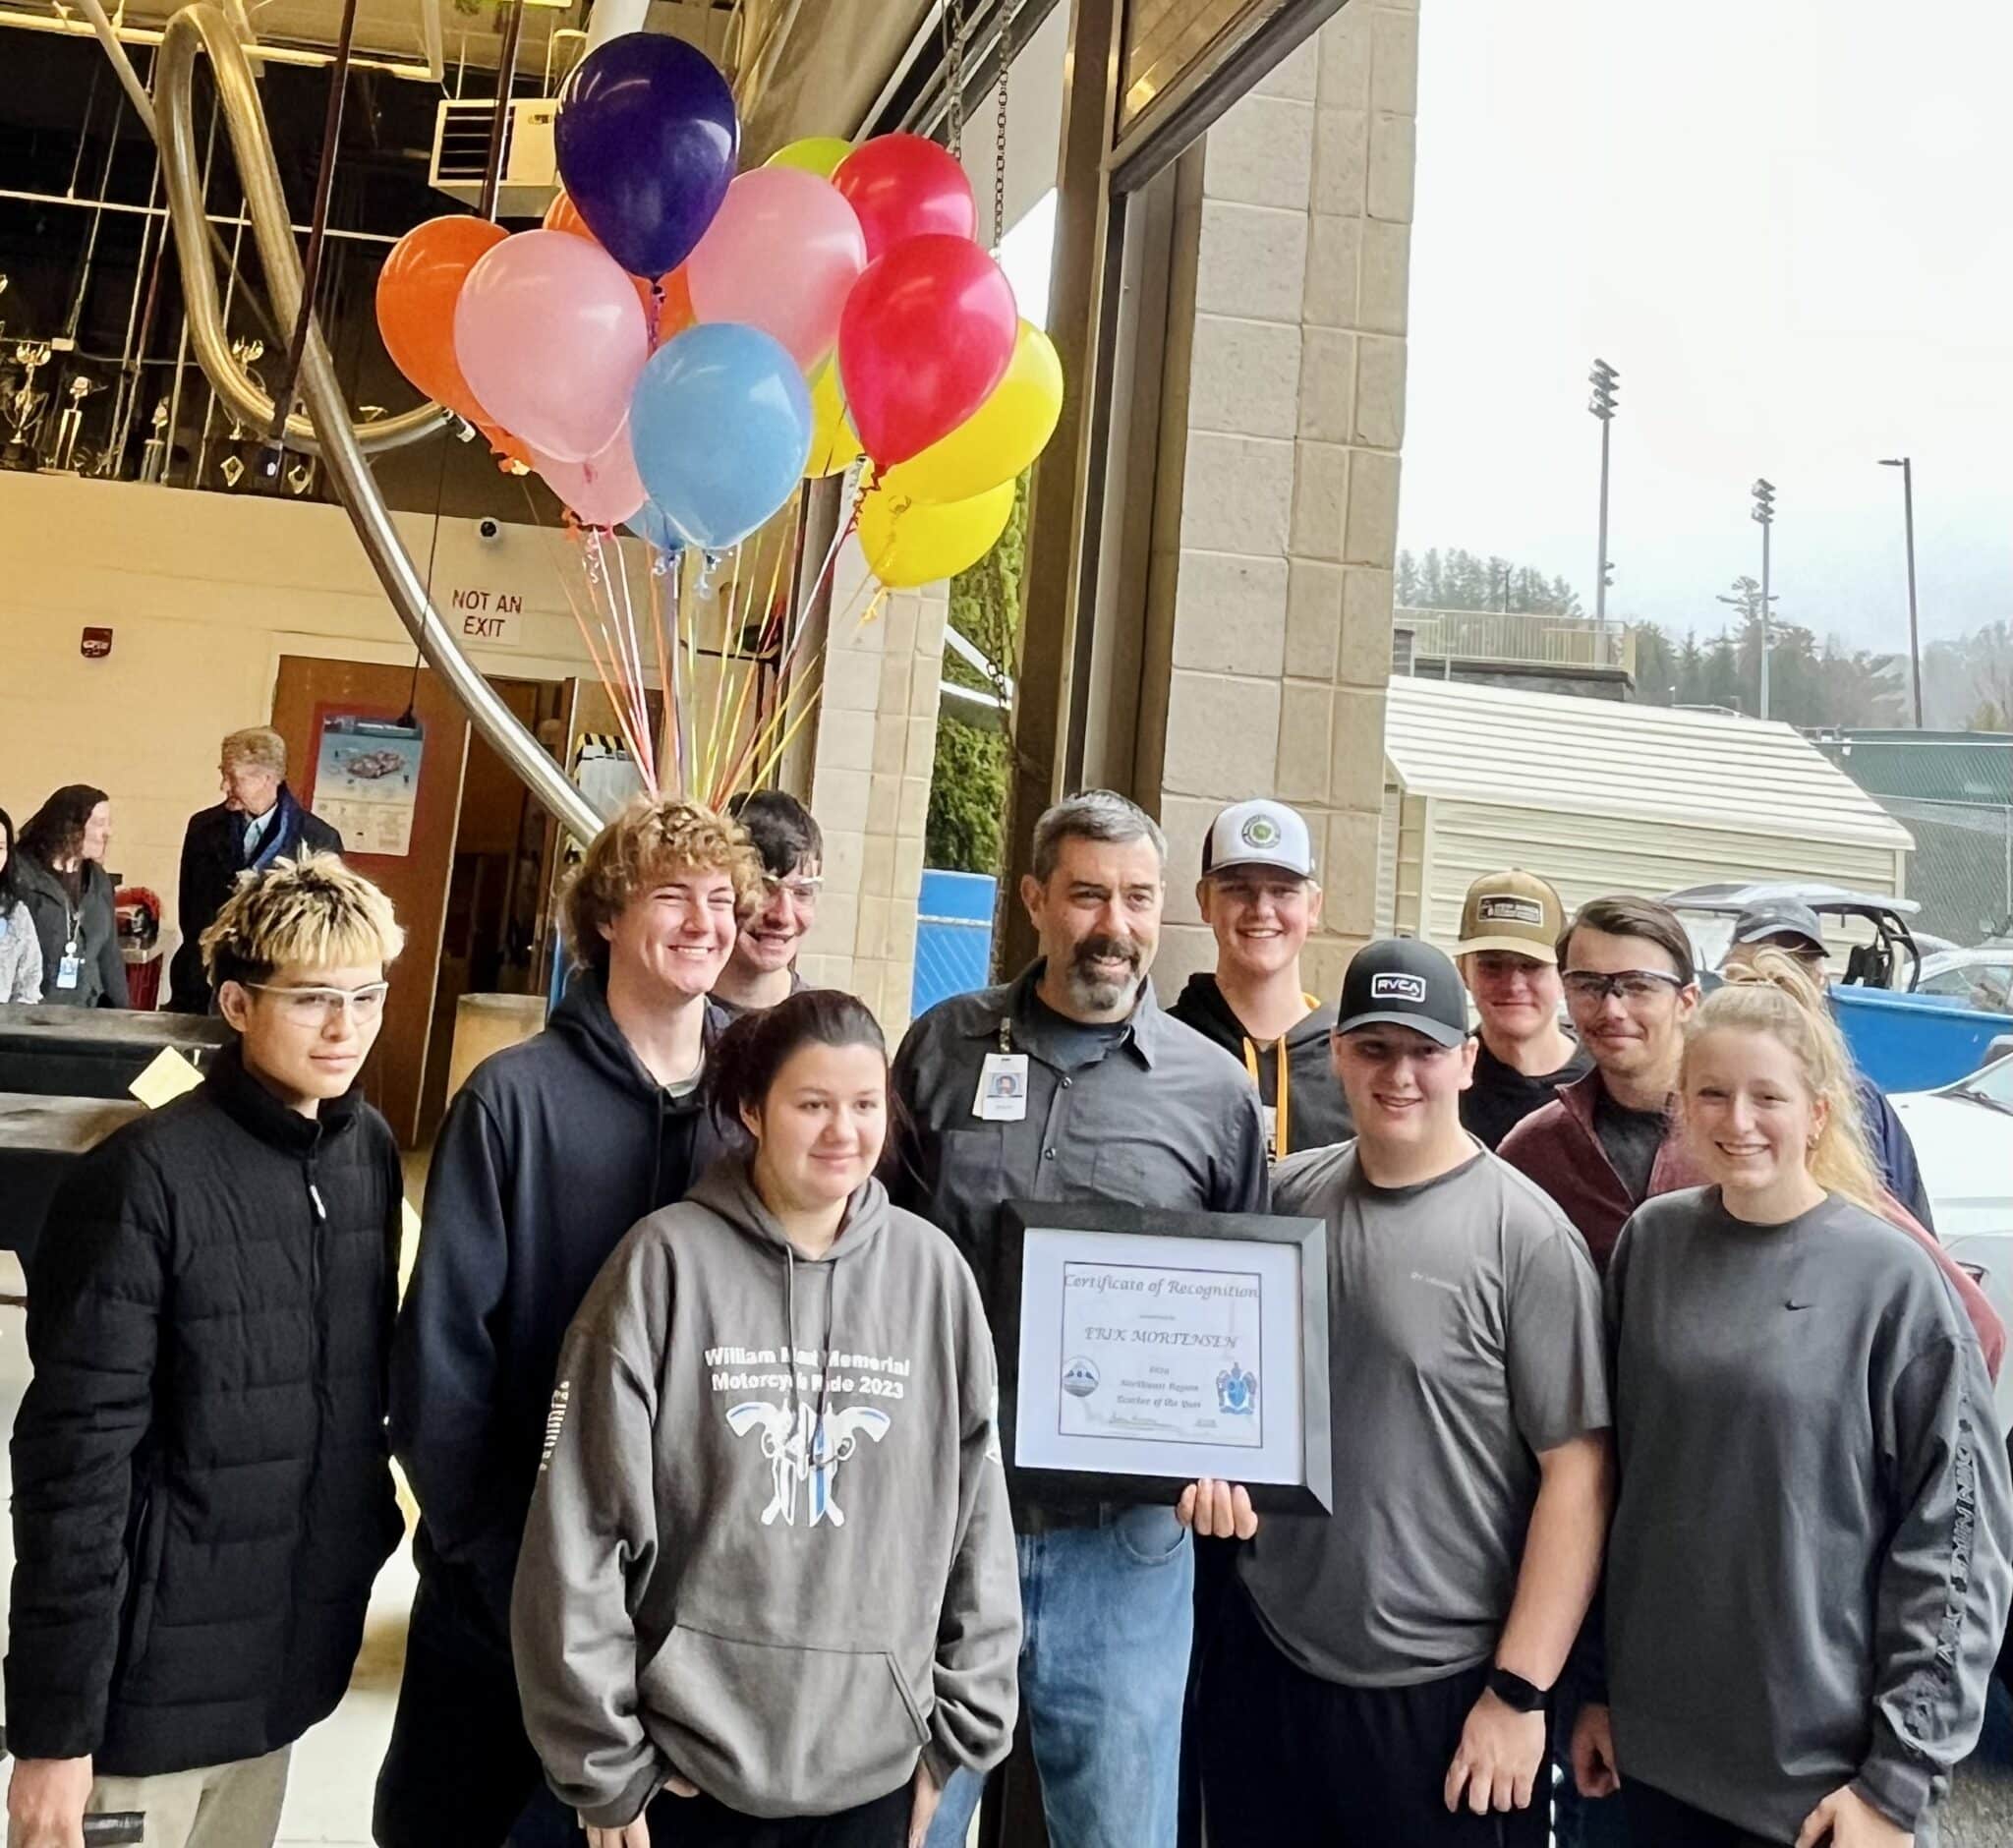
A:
(1397, 988)
(1511, 911)
(1259, 831)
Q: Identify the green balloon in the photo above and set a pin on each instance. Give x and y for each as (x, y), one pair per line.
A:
(815, 154)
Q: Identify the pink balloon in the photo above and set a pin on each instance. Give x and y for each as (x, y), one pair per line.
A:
(781, 254)
(603, 490)
(552, 339)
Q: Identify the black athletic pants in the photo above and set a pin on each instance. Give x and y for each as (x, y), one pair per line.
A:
(1656, 1821)
(701, 1822)
(1288, 1759)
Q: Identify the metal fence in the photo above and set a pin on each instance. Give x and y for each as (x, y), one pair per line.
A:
(953, 936)
(1953, 792)
(1513, 636)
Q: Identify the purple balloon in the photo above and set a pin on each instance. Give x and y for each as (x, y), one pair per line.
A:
(647, 139)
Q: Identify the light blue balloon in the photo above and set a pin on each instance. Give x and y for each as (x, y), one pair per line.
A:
(651, 525)
(720, 425)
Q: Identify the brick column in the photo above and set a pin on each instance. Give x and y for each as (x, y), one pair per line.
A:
(1296, 229)
(870, 786)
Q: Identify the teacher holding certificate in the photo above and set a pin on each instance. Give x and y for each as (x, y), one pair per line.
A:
(1380, 1675)
(1070, 1084)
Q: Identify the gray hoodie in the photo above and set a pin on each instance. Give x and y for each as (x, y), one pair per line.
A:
(769, 1546)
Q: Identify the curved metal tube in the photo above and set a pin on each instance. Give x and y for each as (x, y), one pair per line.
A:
(207, 333)
(204, 27)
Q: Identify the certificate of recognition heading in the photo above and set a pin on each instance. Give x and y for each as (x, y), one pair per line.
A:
(1163, 1355)
(1159, 1355)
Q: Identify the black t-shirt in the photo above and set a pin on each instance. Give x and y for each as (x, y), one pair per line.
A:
(1631, 1139)
(1501, 1096)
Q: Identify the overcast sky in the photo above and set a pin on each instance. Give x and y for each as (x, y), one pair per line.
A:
(1789, 225)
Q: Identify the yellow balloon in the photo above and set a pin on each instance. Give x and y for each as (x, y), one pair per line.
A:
(834, 447)
(908, 543)
(815, 154)
(998, 439)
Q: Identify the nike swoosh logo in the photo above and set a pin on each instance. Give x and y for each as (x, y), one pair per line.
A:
(1799, 1306)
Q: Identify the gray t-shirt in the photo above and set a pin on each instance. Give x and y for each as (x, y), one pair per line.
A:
(1464, 1337)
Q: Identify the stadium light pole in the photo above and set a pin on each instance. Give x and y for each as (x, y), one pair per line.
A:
(1906, 464)
(1603, 378)
(1764, 517)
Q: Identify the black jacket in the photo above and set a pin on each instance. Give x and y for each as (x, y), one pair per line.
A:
(213, 857)
(549, 1153)
(91, 923)
(202, 1488)
(1317, 1112)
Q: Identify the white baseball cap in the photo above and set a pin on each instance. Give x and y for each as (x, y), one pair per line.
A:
(1259, 832)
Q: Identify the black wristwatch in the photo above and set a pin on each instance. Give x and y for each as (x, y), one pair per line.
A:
(1517, 1694)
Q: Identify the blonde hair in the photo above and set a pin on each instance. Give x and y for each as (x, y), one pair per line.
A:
(1770, 992)
(314, 912)
(650, 839)
(259, 746)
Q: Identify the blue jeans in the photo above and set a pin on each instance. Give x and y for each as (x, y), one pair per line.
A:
(1108, 1612)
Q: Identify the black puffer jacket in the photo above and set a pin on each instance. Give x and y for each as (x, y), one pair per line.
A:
(202, 1490)
(549, 1153)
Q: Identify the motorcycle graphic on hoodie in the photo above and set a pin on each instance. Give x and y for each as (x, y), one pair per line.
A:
(770, 1547)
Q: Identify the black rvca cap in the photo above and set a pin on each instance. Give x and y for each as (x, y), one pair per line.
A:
(1400, 981)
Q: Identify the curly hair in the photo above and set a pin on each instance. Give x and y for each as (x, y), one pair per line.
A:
(651, 840)
(313, 910)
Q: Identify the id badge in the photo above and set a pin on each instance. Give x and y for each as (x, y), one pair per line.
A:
(1270, 1112)
(68, 970)
(1002, 1089)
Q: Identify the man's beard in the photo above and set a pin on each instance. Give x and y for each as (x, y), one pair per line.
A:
(1101, 994)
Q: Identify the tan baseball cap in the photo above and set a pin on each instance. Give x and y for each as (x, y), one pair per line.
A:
(1517, 911)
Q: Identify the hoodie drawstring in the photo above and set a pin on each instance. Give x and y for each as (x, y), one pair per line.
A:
(813, 1455)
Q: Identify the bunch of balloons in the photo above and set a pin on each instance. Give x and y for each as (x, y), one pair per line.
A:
(676, 348)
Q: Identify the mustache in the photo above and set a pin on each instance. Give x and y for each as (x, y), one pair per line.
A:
(1093, 949)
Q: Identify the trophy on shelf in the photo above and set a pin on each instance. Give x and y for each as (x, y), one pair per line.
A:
(22, 407)
(154, 452)
(70, 425)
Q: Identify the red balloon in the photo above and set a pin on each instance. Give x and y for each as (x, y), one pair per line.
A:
(927, 332)
(904, 186)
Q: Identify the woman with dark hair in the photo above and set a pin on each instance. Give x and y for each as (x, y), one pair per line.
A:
(20, 950)
(68, 893)
(769, 1567)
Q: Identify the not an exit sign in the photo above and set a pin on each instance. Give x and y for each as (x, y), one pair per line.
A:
(492, 616)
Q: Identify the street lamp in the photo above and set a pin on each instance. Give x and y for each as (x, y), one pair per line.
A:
(1603, 378)
(1764, 517)
(1906, 465)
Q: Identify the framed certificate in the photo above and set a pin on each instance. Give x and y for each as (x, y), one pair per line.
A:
(1141, 1350)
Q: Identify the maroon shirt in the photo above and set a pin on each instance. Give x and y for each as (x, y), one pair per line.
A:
(1558, 1148)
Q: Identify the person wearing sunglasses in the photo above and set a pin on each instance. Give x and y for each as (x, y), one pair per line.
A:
(202, 1488)
(1604, 1144)
(763, 968)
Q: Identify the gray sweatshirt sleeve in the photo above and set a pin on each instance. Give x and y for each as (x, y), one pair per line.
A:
(1943, 1588)
(590, 1541)
(978, 1635)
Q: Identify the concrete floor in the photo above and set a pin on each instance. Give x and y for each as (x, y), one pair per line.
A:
(328, 1796)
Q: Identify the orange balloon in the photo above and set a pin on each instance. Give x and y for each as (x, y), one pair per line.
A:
(415, 295)
(676, 314)
(561, 215)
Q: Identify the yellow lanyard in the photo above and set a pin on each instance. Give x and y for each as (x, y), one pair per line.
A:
(1282, 1116)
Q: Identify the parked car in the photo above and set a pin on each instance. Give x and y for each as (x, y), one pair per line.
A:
(1869, 928)
(1981, 977)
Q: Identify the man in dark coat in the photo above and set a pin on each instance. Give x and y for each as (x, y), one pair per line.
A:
(259, 820)
(202, 1488)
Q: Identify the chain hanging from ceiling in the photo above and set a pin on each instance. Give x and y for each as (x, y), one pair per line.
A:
(1000, 146)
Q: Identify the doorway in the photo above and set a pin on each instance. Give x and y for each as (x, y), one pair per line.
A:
(449, 846)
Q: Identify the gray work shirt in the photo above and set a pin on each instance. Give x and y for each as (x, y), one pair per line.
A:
(1464, 1337)
(1163, 1119)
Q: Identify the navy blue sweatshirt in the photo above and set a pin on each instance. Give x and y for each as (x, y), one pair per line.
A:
(551, 1152)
